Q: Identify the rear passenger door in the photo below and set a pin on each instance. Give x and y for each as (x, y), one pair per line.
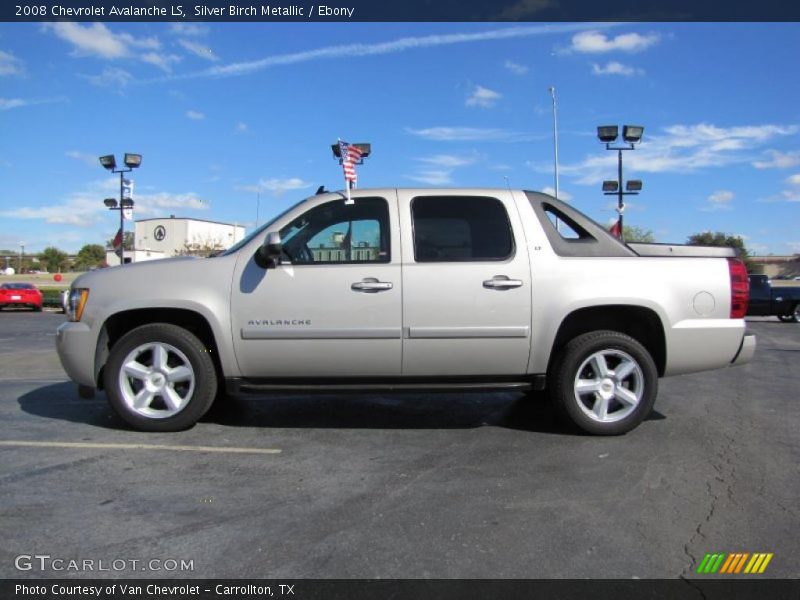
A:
(466, 284)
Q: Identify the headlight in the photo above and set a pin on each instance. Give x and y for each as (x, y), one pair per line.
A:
(77, 300)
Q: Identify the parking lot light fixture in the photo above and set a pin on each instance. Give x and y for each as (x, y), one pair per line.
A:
(634, 185)
(132, 161)
(610, 186)
(109, 162)
(607, 133)
(631, 135)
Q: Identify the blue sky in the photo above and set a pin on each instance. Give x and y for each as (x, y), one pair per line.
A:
(221, 112)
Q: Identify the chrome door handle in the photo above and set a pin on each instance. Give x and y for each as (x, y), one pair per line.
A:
(501, 282)
(371, 285)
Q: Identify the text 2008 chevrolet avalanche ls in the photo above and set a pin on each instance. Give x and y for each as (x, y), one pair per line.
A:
(407, 289)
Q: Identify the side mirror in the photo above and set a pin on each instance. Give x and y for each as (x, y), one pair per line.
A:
(269, 254)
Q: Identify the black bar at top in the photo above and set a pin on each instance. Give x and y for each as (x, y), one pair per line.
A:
(402, 10)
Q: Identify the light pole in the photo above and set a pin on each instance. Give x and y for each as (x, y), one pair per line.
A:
(21, 255)
(132, 161)
(631, 135)
(555, 137)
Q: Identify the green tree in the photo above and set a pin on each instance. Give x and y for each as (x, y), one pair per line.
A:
(127, 241)
(720, 239)
(205, 247)
(90, 256)
(638, 234)
(54, 259)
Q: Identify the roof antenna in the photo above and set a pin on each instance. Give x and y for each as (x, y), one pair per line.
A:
(321, 190)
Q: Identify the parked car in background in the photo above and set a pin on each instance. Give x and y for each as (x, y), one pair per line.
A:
(14, 294)
(782, 302)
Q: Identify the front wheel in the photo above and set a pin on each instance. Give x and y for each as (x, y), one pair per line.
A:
(604, 382)
(160, 377)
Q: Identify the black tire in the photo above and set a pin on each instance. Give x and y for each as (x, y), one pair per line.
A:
(793, 316)
(37, 309)
(573, 407)
(198, 401)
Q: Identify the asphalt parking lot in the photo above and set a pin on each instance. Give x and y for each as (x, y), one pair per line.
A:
(416, 486)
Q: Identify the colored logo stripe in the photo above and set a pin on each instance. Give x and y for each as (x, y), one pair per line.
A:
(734, 563)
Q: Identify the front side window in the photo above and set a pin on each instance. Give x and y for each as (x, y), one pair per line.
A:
(460, 228)
(337, 233)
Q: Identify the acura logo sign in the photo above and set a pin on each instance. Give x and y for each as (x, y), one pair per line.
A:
(160, 233)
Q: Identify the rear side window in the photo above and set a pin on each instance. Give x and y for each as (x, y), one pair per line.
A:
(460, 228)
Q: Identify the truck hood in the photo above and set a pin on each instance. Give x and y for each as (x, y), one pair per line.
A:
(144, 270)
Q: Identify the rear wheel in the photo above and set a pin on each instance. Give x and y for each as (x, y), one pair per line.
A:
(160, 377)
(793, 316)
(604, 382)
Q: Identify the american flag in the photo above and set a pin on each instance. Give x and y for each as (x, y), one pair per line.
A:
(615, 229)
(350, 157)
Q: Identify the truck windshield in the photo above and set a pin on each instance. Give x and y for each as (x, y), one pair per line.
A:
(260, 231)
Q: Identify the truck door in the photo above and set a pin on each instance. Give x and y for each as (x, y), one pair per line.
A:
(760, 295)
(466, 284)
(332, 308)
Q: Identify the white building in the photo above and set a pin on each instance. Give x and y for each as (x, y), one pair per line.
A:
(165, 237)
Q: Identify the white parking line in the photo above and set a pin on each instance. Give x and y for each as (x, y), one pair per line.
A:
(101, 446)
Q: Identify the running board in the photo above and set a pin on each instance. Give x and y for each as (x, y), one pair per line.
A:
(244, 386)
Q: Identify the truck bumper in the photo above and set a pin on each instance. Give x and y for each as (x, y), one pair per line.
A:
(75, 347)
(746, 351)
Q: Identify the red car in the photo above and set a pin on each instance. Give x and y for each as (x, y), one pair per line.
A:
(20, 294)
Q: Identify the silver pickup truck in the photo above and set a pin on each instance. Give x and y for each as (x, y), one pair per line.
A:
(410, 289)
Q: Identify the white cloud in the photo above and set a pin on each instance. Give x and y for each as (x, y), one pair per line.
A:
(9, 103)
(449, 160)
(188, 29)
(779, 160)
(794, 179)
(195, 115)
(483, 97)
(719, 200)
(88, 159)
(154, 204)
(703, 133)
(276, 186)
(562, 195)
(198, 49)
(10, 64)
(515, 68)
(349, 51)
(110, 77)
(162, 61)
(433, 177)
(97, 40)
(85, 209)
(680, 149)
(616, 68)
(594, 42)
(473, 134)
(721, 197)
(241, 128)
